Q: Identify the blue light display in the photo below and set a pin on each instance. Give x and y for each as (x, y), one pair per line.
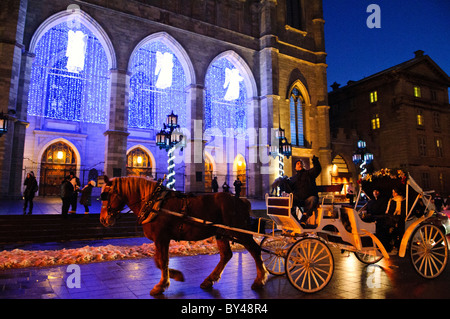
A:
(157, 87)
(296, 115)
(80, 94)
(224, 109)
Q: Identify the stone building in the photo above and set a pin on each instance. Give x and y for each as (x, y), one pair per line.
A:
(402, 113)
(89, 84)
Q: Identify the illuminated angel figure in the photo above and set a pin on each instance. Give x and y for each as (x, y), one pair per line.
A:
(164, 70)
(232, 79)
(76, 51)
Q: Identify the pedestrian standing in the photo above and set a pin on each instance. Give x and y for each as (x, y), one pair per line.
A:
(75, 181)
(31, 187)
(67, 191)
(237, 187)
(225, 187)
(215, 185)
(86, 193)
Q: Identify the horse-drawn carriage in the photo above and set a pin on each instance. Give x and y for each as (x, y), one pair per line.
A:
(303, 253)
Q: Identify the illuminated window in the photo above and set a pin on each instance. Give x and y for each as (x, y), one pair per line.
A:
(373, 97)
(296, 115)
(58, 153)
(69, 76)
(417, 92)
(419, 118)
(225, 97)
(439, 151)
(157, 85)
(375, 122)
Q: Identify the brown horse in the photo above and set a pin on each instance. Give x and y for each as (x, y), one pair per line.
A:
(219, 208)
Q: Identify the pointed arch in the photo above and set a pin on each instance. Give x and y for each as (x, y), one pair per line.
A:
(82, 17)
(175, 47)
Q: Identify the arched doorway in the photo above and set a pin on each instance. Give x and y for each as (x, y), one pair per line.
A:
(57, 161)
(139, 163)
(240, 171)
(209, 171)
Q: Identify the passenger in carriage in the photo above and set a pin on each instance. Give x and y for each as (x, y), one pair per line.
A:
(390, 228)
(304, 189)
(376, 206)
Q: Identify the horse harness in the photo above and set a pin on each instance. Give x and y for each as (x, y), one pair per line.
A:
(150, 209)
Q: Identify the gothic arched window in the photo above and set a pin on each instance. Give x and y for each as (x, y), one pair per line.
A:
(157, 87)
(225, 97)
(69, 76)
(297, 118)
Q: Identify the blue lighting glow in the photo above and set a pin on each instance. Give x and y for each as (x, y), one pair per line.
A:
(157, 87)
(296, 115)
(67, 84)
(225, 97)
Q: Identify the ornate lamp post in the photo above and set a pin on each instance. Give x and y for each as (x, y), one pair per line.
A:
(167, 139)
(362, 157)
(280, 149)
(3, 123)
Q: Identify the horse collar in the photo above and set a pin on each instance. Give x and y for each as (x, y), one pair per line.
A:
(150, 209)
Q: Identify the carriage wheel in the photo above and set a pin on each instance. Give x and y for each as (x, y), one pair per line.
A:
(429, 251)
(309, 265)
(370, 255)
(274, 251)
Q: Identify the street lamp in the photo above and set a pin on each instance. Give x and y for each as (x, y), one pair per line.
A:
(362, 157)
(3, 123)
(167, 139)
(280, 149)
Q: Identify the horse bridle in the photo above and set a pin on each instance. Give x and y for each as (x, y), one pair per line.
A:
(106, 196)
(158, 194)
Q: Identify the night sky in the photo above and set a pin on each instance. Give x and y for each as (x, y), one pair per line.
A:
(356, 51)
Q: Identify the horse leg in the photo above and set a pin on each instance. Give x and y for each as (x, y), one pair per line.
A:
(261, 271)
(225, 256)
(162, 262)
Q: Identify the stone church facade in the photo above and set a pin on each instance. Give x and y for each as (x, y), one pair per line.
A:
(86, 89)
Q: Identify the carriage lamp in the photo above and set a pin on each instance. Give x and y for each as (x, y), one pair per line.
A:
(168, 139)
(3, 123)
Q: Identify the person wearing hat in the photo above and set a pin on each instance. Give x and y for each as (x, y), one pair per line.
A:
(86, 193)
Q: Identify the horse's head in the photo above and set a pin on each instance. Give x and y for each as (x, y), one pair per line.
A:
(112, 202)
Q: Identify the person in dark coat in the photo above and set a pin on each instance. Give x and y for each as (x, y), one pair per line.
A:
(31, 187)
(76, 188)
(237, 187)
(86, 193)
(303, 187)
(215, 185)
(67, 191)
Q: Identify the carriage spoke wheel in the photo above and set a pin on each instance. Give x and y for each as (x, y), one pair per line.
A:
(309, 265)
(429, 251)
(369, 255)
(274, 250)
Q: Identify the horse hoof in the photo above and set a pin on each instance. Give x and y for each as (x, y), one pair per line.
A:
(157, 290)
(206, 285)
(177, 275)
(257, 285)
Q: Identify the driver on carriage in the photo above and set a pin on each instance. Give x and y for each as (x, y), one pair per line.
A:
(304, 189)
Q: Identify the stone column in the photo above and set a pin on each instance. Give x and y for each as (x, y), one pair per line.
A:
(117, 124)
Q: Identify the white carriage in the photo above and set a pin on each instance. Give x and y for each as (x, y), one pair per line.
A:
(303, 253)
